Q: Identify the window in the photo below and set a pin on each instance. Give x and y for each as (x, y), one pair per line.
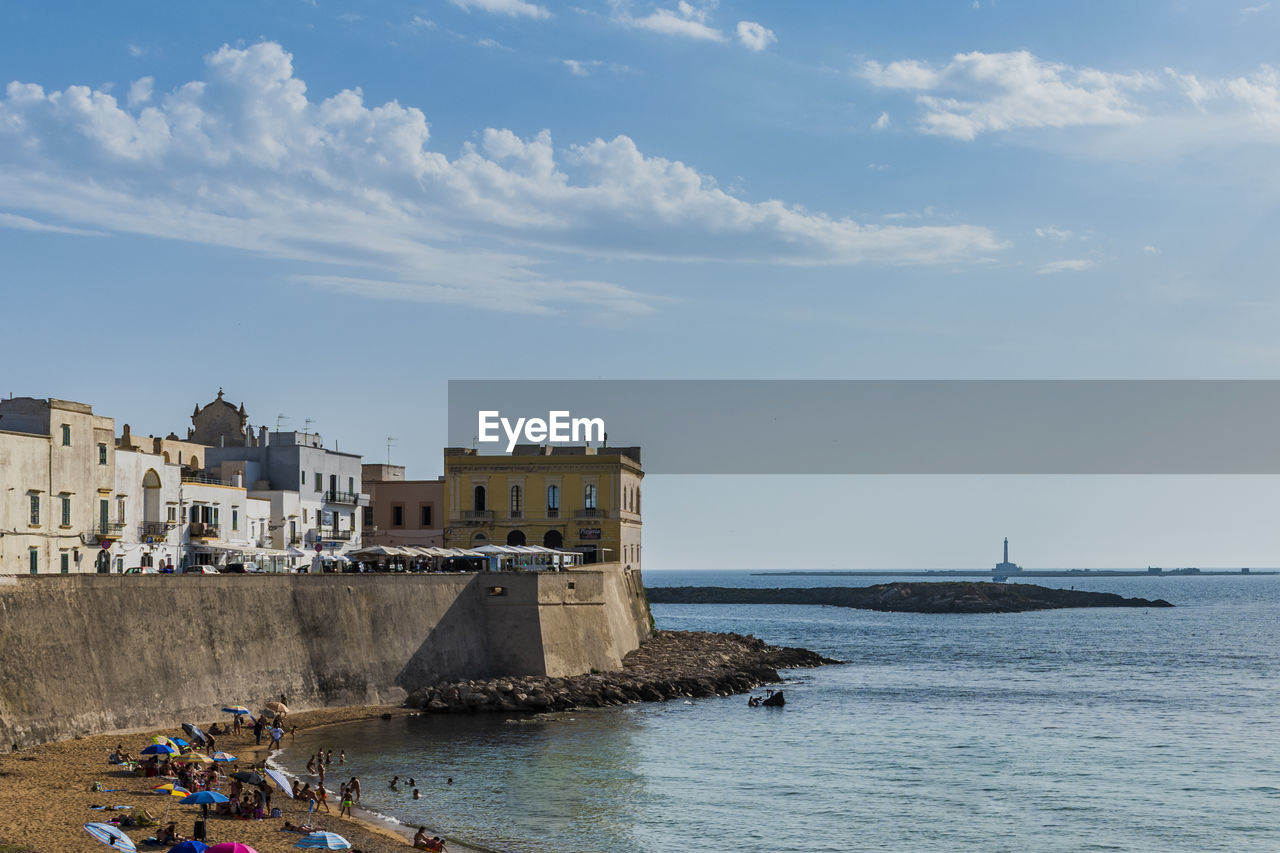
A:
(368, 516)
(478, 496)
(35, 510)
(304, 478)
(304, 515)
(351, 485)
(33, 560)
(397, 515)
(426, 515)
(66, 435)
(65, 560)
(589, 497)
(319, 482)
(553, 497)
(516, 501)
(102, 454)
(120, 510)
(214, 520)
(173, 513)
(235, 519)
(66, 511)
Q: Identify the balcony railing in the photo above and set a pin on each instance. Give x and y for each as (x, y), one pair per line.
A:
(340, 497)
(110, 530)
(516, 513)
(156, 528)
(339, 535)
(201, 478)
(553, 512)
(293, 540)
(477, 515)
(590, 513)
(203, 530)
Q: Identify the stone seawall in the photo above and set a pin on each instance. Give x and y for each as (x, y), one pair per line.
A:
(96, 653)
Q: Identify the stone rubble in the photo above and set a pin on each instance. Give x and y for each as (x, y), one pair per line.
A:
(671, 665)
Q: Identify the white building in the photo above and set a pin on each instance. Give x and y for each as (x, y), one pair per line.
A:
(148, 491)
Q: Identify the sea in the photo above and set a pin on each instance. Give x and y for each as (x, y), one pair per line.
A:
(1067, 730)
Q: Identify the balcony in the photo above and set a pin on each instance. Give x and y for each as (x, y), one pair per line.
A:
(553, 512)
(293, 540)
(477, 515)
(584, 514)
(333, 497)
(155, 528)
(516, 514)
(110, 530)
(203, 530)
(201, 478)
(335, 535)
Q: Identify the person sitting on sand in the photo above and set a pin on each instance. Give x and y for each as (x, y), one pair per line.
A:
(169, 834)
(120, 756)
(422, 842)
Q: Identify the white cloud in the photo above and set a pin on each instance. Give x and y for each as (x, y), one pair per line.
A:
(135, 50)
(23, 223)
(350, 18)
(982, 92)
(685, 21)
(882, 123)
(1151, 250)
(755, 36)
(140, 91)
(587, 67)
(417, 22)
(244, 159)
(1253, 10)
(1053, 232)
(514, 8)
(1073, 265)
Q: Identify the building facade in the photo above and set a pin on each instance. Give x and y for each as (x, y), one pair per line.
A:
(57, 487)
(147, 497)
(400, 511)
(582, 499)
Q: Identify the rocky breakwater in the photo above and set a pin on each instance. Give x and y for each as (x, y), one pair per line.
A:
(673, 664)
(926, 597)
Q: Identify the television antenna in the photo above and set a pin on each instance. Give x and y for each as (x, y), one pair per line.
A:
(280, 418)
(390, 441)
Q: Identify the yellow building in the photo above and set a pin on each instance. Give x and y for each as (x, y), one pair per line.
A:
(583, 499)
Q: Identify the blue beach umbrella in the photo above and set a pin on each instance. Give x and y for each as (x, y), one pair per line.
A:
(159, 749)
(179, 741)
(203, 799)
(324, 841)
(110, 836)
(190, 846)
(223, 756)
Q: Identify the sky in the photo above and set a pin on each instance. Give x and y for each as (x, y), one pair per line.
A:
(329, 209)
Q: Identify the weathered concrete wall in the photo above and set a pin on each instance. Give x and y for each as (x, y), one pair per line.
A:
(94, 653)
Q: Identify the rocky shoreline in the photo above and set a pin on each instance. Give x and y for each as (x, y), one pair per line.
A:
(925, 597)
(673, 664)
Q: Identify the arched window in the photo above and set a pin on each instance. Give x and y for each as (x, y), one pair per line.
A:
(479, 499)
(552, 539)
(553, 497)
(516, 537)
(479, 539)
(589, 496)
(516, 502)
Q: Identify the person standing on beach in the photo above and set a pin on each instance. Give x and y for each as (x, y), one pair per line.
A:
(311, 766)
(354, 787)
(345, 799)
(276, 733)
(322, 798)
(257, 730)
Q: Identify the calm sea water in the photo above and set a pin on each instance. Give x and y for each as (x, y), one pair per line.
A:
(1071, 730)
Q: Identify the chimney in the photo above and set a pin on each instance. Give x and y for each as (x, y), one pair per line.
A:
(262, 436)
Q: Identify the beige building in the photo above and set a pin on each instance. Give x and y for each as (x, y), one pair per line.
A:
(57, 487)
(582, 499)
(400, 511)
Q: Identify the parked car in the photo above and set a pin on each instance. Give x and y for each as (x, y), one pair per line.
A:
(141, 570)
(200, 569)
(240, 568)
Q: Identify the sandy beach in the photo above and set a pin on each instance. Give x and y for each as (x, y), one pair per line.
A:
(46, 794)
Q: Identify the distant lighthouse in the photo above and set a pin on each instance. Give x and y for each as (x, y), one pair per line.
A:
(1005, 567)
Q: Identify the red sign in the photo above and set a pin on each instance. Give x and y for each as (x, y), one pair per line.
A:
(588, 532)
(319, 548)
(106, 544)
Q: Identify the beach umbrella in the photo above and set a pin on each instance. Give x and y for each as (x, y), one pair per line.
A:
(281, 780)
(223, 756)
(177, 741)
(159, 749)
(172, 790)
(195, 731)
(203, 799)
(190, 846)
(161, 739)
(324, 841)
(193, 758)
(248, 777)
(237, 710)
(231, 847)
(278, 707)
(110, 836)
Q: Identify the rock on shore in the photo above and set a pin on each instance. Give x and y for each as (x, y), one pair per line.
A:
(927, 597)
(671, 665)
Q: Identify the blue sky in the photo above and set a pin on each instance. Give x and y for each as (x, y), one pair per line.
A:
(329, 209)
